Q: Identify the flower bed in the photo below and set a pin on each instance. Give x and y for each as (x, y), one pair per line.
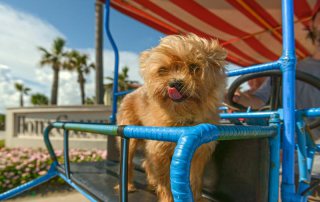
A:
(21, 165)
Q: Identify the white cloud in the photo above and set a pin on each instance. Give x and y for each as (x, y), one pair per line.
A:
(126, 58)
(20, 35)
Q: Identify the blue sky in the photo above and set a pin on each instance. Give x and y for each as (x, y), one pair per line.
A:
(75, 19)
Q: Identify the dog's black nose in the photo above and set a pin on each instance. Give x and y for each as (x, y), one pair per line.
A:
(178, 84)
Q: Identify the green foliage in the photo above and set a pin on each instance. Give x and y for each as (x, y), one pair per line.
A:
(39, 99)
(123, 79)
(2, 121)
(90, 101)
(2, 143)
(55, 57)
(22, 88)
(76, 61)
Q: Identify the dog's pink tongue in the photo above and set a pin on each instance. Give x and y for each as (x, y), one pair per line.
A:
(174, 93)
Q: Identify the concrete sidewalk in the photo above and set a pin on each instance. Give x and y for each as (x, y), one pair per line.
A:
(72, 196)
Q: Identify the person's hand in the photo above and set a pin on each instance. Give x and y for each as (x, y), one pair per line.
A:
(236, 96)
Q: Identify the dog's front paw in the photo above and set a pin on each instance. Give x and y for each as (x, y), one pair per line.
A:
(131, 187)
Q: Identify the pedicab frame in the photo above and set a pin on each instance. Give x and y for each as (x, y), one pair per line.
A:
(281, 122)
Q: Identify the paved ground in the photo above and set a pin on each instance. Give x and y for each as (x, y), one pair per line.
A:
(71, 196)
(50, 192)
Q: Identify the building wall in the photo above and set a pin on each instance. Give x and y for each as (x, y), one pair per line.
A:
(25, 126)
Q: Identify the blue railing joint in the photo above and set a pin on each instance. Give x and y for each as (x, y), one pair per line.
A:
(189, 141)
(286, 62)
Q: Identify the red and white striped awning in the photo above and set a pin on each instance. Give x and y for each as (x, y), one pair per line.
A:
(250, 30)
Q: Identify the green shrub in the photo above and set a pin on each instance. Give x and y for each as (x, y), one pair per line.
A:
(2, 121)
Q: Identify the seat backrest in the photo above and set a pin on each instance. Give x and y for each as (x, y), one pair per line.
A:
(241, 171)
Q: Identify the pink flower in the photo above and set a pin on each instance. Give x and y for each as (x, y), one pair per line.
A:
(41, 173)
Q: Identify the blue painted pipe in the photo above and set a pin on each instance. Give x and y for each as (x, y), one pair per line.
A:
(304, 175)
(100, 128)
(116, 62)
(288, 61)
(312, 148)
(124, 92)
(188, 140)
(247, 115)
(182, 156)
(76, 187)
(124, 169)
(49, 145)
(66, 153)
(254, 68)
(312, 112)
(274, 167)
(173, 134)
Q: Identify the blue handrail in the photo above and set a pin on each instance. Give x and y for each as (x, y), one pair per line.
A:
(116, 63)
(288, 61)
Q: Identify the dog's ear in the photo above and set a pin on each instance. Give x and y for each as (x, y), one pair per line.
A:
(217, 54)
(144, 56)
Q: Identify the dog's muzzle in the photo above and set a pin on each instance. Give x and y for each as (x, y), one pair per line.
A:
(174, 90)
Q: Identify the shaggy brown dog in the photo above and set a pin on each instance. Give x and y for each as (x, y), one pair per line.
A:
(184, 85)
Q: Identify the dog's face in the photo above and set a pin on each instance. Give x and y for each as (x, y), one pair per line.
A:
(184, 71)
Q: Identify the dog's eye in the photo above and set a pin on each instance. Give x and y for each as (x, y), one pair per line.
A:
(162, 71)
(194, 68)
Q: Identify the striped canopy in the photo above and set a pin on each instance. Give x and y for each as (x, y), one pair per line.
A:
(250, 30)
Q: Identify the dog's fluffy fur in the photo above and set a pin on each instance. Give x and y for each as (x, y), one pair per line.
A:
(193, 68)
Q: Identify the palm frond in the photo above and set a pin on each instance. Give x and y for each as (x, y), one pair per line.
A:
(26, 90)
(109, 78)
(58, 45)
(18, 86)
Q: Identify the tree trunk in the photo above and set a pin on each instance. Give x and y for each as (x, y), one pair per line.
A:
(113, 154)
(99, 52)
(55, 87)
(82, 81)
(21, 99)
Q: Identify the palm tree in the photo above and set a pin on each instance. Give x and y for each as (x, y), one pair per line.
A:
(23, 90)
(99, 50)
(39, 99)
(55, 60)
(90, 101)
(123, 80)
(124, 84)
(79, 62)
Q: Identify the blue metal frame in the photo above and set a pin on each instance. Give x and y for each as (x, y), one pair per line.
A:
(116, 63)
(274, 147)
(304, 175)
(287, 65)
(255, 68)
(188, 139)
(288, 61)
(76, 187)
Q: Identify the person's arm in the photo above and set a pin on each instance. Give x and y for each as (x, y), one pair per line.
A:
(248, 99)
(256, 99)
